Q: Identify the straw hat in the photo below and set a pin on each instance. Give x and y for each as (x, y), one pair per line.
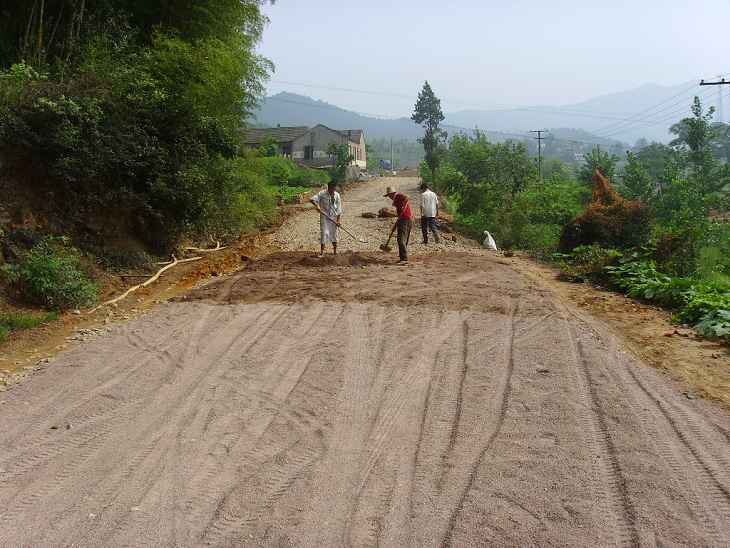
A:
(388, 191)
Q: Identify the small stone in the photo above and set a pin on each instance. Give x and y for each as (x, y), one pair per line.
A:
(76, 312)
(689, 396)
(543, 370)
(68, 426)
(54, 427)
(669, 334)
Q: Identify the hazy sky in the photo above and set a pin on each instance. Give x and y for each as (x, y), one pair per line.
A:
(490, 54)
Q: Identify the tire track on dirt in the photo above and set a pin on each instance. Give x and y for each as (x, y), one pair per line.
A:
(485, 440)
(256, 328)
(186, 406)
(688, 470)
(78, 446)
(172, 406)
(662, 427)
(390, 409)
(610, 481)
(411, 388)
(77, 415)
(227, 520)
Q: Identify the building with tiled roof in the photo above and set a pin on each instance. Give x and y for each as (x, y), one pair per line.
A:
(309, 146)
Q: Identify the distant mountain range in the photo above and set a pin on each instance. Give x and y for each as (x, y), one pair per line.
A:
(602, 120)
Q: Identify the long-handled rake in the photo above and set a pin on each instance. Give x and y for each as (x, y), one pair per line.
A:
(342, 227)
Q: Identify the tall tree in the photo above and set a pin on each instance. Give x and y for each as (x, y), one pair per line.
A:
(597, 159)
(428, 114)
(695, 137)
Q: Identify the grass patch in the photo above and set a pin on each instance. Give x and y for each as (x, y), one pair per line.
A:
(290, 193)
(15, 321)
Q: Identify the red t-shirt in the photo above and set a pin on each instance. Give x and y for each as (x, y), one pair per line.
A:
(402, 206)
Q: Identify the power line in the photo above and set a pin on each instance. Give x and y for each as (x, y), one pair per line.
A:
(719, 83)
(612, 129)
(666, 117)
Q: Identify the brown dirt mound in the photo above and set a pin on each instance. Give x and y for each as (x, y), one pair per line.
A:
(299, 259)
(343, 259)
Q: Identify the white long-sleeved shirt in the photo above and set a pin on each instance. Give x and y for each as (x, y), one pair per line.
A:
(429, 204)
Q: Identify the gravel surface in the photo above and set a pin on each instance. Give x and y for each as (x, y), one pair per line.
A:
(301, 232)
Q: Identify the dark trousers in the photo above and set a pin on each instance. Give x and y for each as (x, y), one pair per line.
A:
(429, 223)
(404, 235)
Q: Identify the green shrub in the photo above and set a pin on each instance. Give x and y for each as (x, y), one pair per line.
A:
(277, 170)
(587, 262)
(305, 177)
(51, 275)
(715, 324)
(290, 193)
(14, 321)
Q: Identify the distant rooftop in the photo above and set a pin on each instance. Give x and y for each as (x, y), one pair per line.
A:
(255, 136)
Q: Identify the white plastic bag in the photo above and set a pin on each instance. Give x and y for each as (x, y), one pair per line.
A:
(489, 242)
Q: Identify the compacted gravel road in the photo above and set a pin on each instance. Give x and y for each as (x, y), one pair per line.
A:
(353, 402)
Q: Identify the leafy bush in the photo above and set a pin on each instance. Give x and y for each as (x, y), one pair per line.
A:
(51, 275)
(302, 176)
(139, 110)
(705, 305)
(277, 170)
(14, 321)
(290, 193)
(715, 324)
(586, 262)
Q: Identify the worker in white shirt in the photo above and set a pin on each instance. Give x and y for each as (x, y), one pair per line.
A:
(329, 204)
(429, 211)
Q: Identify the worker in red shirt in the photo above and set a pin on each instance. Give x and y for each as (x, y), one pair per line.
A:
(403, 223)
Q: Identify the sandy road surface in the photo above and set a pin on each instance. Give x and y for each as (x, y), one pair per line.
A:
(359, 403)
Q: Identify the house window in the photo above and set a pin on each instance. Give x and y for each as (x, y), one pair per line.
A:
(309, 152)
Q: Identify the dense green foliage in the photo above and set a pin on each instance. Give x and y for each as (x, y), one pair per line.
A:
(494, 186)
(51, 275)
(136, 106)
(703, 303)
(15, 321)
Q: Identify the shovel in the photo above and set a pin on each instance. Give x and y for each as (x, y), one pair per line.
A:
(386, 247)
(342, 227)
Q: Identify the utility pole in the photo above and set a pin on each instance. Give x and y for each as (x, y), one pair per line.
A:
(539, 139)
(392, 166)
(721, 82)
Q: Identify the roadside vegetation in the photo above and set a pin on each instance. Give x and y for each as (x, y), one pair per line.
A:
(120, 130)
(15, 321)
(658, 230)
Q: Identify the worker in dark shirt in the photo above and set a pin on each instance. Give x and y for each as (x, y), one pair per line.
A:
(404, 222)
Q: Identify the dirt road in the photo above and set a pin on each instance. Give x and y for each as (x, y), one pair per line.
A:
(303, 402)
